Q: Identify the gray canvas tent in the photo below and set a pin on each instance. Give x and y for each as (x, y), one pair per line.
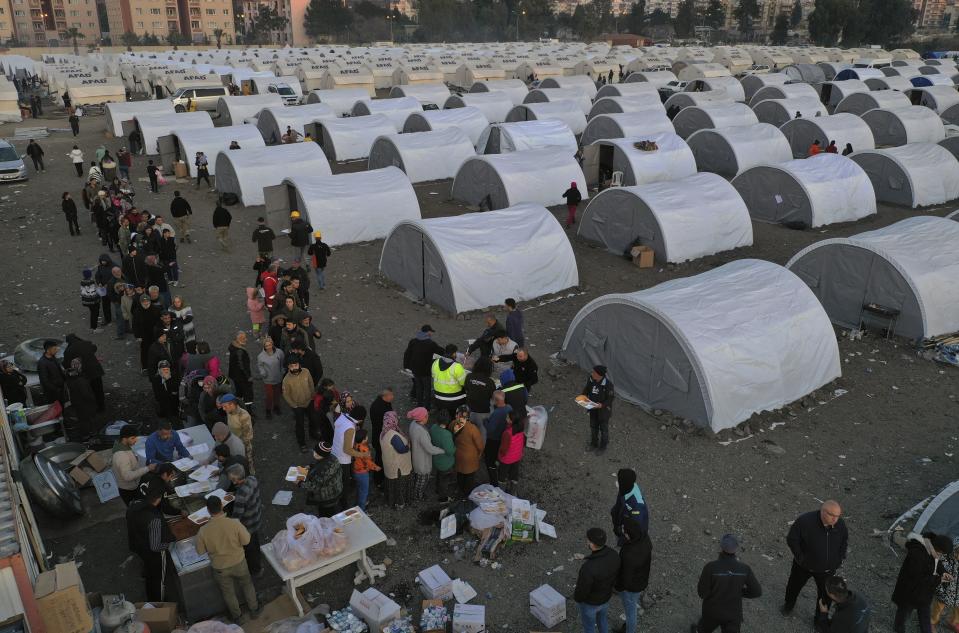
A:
(494, 105)
(899, 84)
(785, 91)
(626, 125)
(904, 266)
(680, 220)
(686, 99)
(862, 102)
(951, 143)
(711, 116)
(902, 125)
(522, 135)
(911, 175)
(753, 83)
(524, 250)
(423, 156)
(671, 160)
(832, 92)
(732, 150)
(779, 111)
(937, 98)
(816, 191)
(715, 348)
(843, 128)
(953, 216)
(636, 89)
(806, 73)
(497, 181)
(632, 103)
(566, 111)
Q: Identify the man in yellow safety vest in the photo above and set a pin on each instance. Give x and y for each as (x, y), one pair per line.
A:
(448, 380)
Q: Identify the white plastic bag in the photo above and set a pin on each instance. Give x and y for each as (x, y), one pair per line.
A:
(536, 427)
(286, 554)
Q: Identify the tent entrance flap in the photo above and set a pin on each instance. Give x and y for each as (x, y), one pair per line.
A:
(279, 201)
(128, 128)
(591, 159)
(436, 286)
(169, 147)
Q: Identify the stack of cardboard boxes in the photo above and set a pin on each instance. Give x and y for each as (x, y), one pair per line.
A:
(547, 605)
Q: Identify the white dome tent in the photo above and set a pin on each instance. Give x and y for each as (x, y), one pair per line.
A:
(937, 98)
(833, 92)
(349, 138)
(470, 120)
(899, 84)
(495, 106)
(714, 348)
(913, 175)
(817, 191)
(636, 89)
(632, 103)
(843, 128)
(566, 111)
(732, 150)
(672, 160)
(953, 216)
(555, 95)
(721, 115)
(341, 100)
(347, 208)
(904, 266)
(951, 143)
(756, 82)
(784, 91)
(184, 144)
(779, 111)
(525, 135)
(907, 124)
(515, 88)
(625, 125)
(497, 181)
(245, 172)
(524, 250)
(681, 220)
(727, 84)
(423, 156)
(581, 83)
(861, 102)
(120, 113)
(427, 94)
(153, 126)
(272, 122)
(396, 110)
(235, 110)
(686, 99)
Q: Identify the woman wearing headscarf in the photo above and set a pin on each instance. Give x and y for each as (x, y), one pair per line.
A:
(81, 400)
(397, 460)
(13, 383)
(422, 450)
(629, 503)
(270, 364)
(184, 315)
(210, 413)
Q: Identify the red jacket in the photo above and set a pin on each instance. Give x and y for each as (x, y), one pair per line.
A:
(270, 283)
(511, 446)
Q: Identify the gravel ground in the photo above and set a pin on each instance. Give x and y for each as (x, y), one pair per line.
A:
(882, 445)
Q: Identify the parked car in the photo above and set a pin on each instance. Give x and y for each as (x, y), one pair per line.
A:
(11, 165)
(204, 98)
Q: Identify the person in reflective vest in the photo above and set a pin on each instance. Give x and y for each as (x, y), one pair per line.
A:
(448, 380)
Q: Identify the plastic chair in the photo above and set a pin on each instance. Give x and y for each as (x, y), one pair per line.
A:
(617, 179)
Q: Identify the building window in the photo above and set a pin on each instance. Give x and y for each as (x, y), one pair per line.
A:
(76, 25)
(155, 11)
(40, 37)
(19, 13)
(211, 11)
(194, 24)
(139, 24)
(139, 11)
(211, 25)
(226, 12)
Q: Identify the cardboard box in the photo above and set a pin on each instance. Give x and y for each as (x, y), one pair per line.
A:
(469, 618)
(547, 605)
(61, 600)
(642, 256)
(433, 603)
(91, 459)
(435, 584)
(162, 618)
(374, 608)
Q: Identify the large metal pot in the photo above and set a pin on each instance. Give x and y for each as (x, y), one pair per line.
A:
(50, 487)
(63, 454)
(27, 353)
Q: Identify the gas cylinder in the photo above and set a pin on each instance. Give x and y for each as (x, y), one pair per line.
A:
(116, 611)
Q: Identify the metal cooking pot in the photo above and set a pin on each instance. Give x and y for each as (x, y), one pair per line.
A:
(50, 487)
(62, 454)
(27, 353)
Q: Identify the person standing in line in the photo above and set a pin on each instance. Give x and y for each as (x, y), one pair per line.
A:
(363, 464)
(324, 483)
(50, 373)
(494, 425)
(921, 573)
(512, 443)
(152, 171)
(449, 377)
(818, 542)
(298, 393)
(124, 163)
(69, 208)
(319, 253)
(263, 236)
(344, 446)
(423, 450)
(469, 450)
(594, 584)
(221, 225)
(181, 211)
(722, 586)
(630, 503)
(397, 461)
(852, 611)
(202, 169)
(300, 231)
(573, 198)
(240, 424)
(90, 299)
(76, 157)
(635, 559)
(240, 369)
(947, 594)
(514, 322)
(417, 359)
(271, 365)
(599, 390)
(35, 152)
(380, 406)
(248, 510)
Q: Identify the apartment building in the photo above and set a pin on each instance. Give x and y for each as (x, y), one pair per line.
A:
(200, 20)
(194, 20)
(42, 22)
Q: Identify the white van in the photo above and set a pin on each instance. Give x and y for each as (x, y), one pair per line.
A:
(198, 98)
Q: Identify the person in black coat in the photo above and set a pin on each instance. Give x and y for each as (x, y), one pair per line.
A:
(635, 558)
(69, 208)
(86, 351)
(300, 232)
(722, 586)
(818, 542)
(146, 318)
(240, 370)
(573, 198)
(485, 341)
(920, 574)
(159, 352)
(166, 389)
(418, 359)
(50, 373)
(594, 584)
(599, 389)
(35, 152)
(378, 408)
(524, 367)
(82, 401)
(12, 383)
(852, 611)
(134, 268)
(148, 536)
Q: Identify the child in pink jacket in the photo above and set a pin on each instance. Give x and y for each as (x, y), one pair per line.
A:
(256, 307)
(511, 446)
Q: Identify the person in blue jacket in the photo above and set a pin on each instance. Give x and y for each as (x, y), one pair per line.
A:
(630, 503)
(162, 444)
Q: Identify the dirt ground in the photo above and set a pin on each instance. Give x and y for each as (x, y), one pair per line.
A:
(888, 441)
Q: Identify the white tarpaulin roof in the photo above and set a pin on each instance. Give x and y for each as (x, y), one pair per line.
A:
(153, 126)
(520, 136)
(515, 88)
(435, 93)
(632, 103)
(95, 90)
(539, 176)
(423, 156)
(9, 102)
(843, 128)
(566, 111)
(906, 124)
(211, 141)
(713, 115)
(732, 150)
(636, 89)
(341, 100)
(862, 102)
(118, 112)
(673, 159)
(553, 95)
(273, 121)
(694, 216)
(785, 91)
(755, 335)
(356, 207)
(469, 119)
(237, 109)
(929, 170)
(918, 247)
(352, 137)
(247, 171)
(523, 249)
(835, 188)
(581, 83)
(626, 125)
(779, 111)
(494, 105)
(396, 110)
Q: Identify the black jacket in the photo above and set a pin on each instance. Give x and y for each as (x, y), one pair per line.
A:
(599, 573)
(156, 353)
(852, 616)
(526, 372)
(34, 150)
(142, 519)
(919, 576)
(378, 409)
(723, 584)
(145, 320)
(156, 276)
(573, 196)
(240, 370)
(167, 249)
(86, 352)
(264, 236)
(300, 232)
(479, 393)
(180, 208)
(311, 360)
(135, 270)
(601, 392)
(166, 394)
(51, 377)
(319, 251)
(69, 207)
(418, 357)
(485, 341)
(635, 558)
(221, 217)
(14, 386)
(815, 547)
